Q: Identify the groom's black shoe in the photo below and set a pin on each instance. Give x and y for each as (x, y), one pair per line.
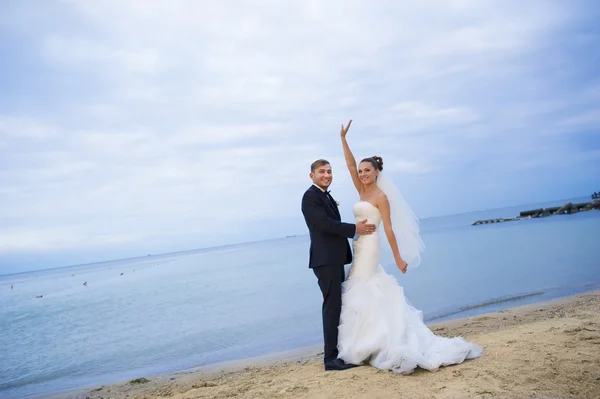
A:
(338, 364)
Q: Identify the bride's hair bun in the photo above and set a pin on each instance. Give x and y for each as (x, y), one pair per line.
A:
(379, 161)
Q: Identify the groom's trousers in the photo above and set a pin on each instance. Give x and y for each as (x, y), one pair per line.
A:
(330, 281)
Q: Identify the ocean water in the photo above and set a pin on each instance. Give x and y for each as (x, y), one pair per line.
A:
(173, 312)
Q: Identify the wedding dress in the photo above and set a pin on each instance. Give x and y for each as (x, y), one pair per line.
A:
(378, 325)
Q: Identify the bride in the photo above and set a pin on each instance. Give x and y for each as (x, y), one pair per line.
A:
(377, 323)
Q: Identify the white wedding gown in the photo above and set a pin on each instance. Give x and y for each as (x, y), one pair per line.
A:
(378, 325)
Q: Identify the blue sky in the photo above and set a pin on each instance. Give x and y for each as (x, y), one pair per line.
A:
(134, 127)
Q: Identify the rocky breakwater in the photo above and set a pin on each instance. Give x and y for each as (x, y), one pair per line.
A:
(565, 209)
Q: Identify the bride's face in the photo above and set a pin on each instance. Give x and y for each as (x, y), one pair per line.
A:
(367, 173)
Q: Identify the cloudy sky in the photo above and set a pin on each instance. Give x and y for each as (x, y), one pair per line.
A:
(136, 126)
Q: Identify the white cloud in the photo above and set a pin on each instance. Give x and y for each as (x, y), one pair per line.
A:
(78, 52)
(590, 118)
(12, 128)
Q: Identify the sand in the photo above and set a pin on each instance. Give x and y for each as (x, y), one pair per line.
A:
(546, 350)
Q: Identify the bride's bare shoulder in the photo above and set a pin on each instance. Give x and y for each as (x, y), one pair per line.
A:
(381, 198)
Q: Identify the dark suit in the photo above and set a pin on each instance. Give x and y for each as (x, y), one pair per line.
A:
(329, 252)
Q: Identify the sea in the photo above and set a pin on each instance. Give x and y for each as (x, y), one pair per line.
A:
(160, 314)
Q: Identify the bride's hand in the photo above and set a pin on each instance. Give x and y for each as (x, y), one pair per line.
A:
(344, 130)
(402, 265)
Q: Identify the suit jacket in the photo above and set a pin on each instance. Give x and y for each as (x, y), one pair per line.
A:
(328, 234)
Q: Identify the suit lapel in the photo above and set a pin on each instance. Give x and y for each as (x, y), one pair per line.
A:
(329, 202)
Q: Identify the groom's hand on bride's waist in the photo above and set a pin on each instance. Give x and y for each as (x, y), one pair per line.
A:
(362, 228)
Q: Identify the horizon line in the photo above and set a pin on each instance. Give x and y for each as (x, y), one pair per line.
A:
(249, 242)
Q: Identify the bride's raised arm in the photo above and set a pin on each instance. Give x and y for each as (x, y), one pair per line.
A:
(350, 161)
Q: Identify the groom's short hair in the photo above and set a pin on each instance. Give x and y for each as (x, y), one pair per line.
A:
(317, 163)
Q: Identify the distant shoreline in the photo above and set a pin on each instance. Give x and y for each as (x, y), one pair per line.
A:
(499, 332)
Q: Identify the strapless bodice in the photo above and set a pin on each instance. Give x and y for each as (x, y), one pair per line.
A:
(365, 210)
(366, 247)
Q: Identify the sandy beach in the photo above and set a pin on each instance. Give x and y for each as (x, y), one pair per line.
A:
(545, 350)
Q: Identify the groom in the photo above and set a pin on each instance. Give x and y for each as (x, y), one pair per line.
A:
(329, 252)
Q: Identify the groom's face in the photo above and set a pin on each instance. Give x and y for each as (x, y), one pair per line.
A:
(322, 176)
